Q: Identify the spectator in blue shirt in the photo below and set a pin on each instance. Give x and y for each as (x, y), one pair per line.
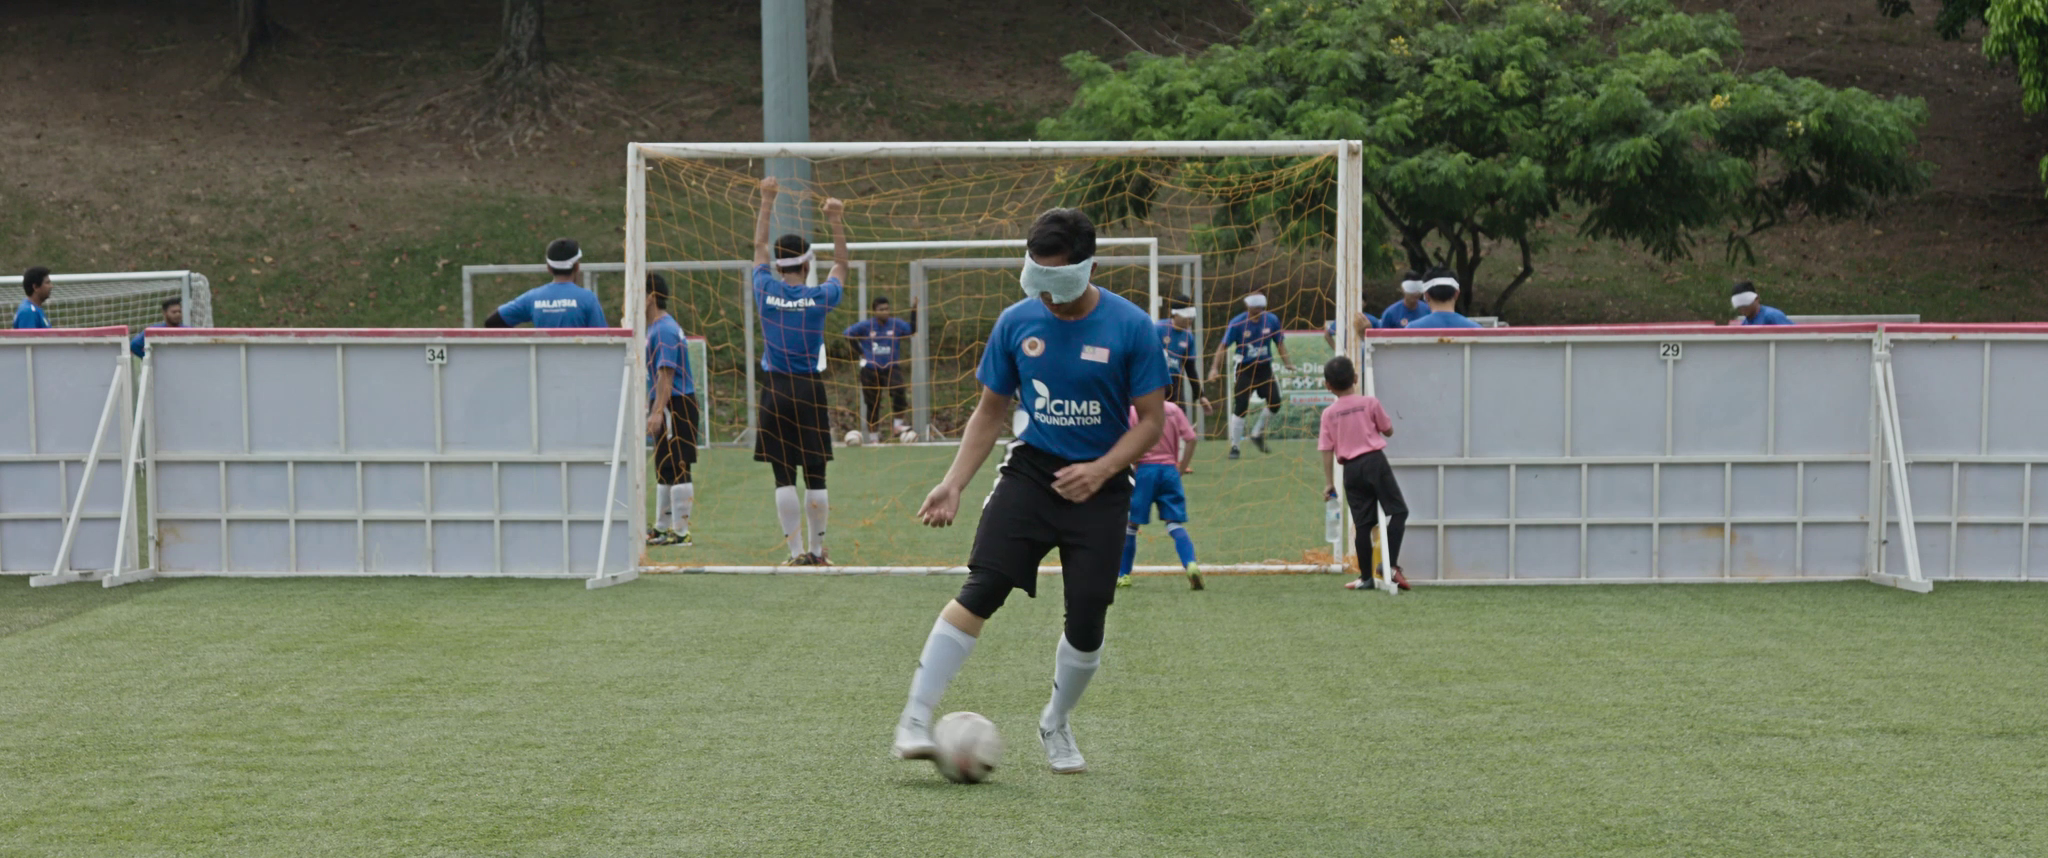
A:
(36, 285)
(174, 317)
(1411, 306)
(1750, 311)
(1440, 287)
(881, 339)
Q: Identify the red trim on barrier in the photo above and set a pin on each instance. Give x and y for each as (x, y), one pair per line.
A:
(1994, 328)
(1615, 330)
(67, 333)
(388, 333)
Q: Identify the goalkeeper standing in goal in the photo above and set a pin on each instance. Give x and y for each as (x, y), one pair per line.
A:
(880, 339)
(1256, 334)
(796, 431)
(36, 286)
(1083, 359)
(671, 419)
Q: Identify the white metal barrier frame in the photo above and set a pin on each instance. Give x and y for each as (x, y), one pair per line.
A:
(54, 437)
(1715, 462)
(317, 488)
(1972, 401)
(195, 292)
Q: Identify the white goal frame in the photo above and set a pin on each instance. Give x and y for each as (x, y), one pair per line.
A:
(1348, 263)
(74, 290)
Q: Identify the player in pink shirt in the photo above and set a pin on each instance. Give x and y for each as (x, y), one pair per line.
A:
(1158, 482)
(1354, 434)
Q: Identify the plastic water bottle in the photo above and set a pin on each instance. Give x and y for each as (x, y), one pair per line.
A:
(1333, 519)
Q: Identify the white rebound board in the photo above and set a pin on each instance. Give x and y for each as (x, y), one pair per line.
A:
(459, 452)
(54, 386)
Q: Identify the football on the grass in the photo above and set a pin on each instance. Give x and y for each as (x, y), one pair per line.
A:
(907, 436)
(853, 438)
(968, 747)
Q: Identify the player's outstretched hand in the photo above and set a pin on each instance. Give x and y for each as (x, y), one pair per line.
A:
(1079, 482)
(940, 506)
(770, 187)
(834, 208)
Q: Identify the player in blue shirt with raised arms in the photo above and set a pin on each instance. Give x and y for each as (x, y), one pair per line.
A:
(1441, 288)
(882, 338)
(1081, 358)
(1750, 311)
(1256, 334)
(671, 419)
(796, 431)
(36, 285)
(174, 317)
(560, 303)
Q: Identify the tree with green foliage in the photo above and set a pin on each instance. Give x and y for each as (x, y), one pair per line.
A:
(2015, 31)
(1485, 119)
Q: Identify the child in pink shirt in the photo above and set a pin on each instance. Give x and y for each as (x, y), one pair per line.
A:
(1157, 479)
(1354, 435)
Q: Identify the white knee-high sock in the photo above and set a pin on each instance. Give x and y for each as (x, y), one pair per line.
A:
(1071, 670)
(818, 509)
(683, 496)
(1236, 429)
(789, 511)
(1259, 428)
(944, 651)
(661, 507)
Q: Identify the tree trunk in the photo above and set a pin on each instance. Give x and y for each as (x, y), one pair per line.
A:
(818, 34)
(254, 31)
(524, 48)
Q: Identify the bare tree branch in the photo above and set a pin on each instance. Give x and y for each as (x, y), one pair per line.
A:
(1119, 31)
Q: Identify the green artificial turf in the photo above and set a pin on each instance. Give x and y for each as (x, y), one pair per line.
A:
(712, 715)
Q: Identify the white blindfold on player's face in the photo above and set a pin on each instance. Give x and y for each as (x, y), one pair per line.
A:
(1064, 284)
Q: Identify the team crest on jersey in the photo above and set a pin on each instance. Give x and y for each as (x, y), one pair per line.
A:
(1033, 347)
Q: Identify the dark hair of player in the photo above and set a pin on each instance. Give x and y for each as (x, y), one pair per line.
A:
(657, 288)
(1339, 374)
(879, 302)
(33, 278)
(1411, 274)
(173, 301)
(1444, 292)
(1065, 233)
(791, 246)
(1742, 286)
(562, 250)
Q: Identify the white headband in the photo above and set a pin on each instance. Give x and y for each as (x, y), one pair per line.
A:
(1441, 281)
(1411, 286)
(1742, 299)
(1185, 312)
(1255, 301)
(565, 264)
(798, 261)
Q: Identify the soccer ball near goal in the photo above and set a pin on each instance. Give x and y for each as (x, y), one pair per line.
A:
(852, 438)
(907, 436)
(968, 747)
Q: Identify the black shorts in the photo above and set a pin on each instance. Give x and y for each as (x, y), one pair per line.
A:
(1255, 378)
(1023, 520)
(877, 382)
(675, 449)
(795, 428)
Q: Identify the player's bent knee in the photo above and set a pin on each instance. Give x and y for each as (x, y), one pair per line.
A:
(1085, 620)
(984, 592)
(1175, 527)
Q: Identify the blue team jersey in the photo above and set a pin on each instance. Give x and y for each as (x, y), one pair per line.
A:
(881, 343)
(666, 347)
(555, 305)
(1446, 319)
(1253, 338)
(1077, 378)
(793, 321)
(29, 317)
(1398, 315)
(1764, 316)
(1175, 344)
(135, 344)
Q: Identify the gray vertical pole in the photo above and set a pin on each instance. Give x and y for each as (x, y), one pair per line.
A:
(920, 358)
(786, 106)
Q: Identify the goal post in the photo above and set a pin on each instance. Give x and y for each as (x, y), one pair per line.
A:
(132, 299)
(1282, 217)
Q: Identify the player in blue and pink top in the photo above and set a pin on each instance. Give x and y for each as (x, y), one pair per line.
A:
(1354, 434)
(1158, 484)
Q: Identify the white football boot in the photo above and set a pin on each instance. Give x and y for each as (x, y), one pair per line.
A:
(914, 740)
(1060, 749)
